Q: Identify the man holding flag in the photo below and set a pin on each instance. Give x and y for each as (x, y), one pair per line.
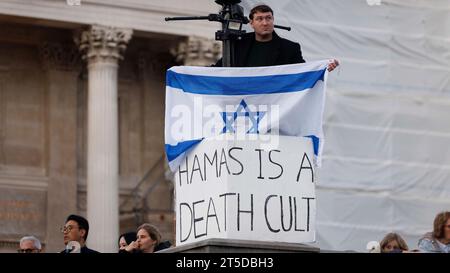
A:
(264, 47)
(278, 96)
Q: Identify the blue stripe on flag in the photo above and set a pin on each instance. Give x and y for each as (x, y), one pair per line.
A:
(210, 85)
(173, 151)
(315, 141)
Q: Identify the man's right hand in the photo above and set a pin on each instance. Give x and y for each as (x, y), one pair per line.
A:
(332, 65)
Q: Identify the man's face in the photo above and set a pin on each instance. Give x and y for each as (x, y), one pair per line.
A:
(262, 23)
(72, 232)
(28, 247)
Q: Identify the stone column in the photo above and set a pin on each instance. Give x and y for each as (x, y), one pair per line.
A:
(62, 64)
(102, 47)
(197, 51)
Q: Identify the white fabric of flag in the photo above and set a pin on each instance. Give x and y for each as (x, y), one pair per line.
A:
(202, 102)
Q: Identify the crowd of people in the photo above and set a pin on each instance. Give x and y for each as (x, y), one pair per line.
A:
(437, 241)
(147, 239)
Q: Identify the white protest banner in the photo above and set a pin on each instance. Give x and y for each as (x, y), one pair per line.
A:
(247, 189)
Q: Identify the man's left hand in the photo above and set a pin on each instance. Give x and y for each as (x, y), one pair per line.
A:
(332, 65)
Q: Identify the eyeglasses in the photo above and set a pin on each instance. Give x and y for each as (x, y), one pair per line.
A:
(67, 229)
(26, 250)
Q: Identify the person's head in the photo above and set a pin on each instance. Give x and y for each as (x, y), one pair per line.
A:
(126, 238)
(29, 244)
(148, 237)
(393, 242)
(75, 229)
(441, 227)
(262, 21)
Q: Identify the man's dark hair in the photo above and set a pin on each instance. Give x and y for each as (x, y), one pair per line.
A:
(82, 223)
(259, 8)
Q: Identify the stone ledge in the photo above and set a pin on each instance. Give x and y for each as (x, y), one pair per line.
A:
(240, 246)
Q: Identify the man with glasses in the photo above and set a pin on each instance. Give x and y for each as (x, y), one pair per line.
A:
(264, 47)
(76, 230)
(29, 244)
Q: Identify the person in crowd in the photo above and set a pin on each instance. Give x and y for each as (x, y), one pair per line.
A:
(148, 240)
(264, 47)
(393, 243)
(76, 229)
(437, 241)
(29, 244)
(125, 239)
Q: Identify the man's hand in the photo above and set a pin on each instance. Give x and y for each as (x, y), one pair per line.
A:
(332, 65)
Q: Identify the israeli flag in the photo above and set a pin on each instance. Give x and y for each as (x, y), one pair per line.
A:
(203, 102)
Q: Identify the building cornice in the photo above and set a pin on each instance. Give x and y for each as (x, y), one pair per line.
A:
(24, 182)
(139, 15)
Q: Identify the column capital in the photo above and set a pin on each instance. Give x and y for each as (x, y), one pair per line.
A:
(103, 43)
(60, 56)
(198, 51)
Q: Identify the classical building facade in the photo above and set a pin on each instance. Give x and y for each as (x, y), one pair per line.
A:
(82, 114)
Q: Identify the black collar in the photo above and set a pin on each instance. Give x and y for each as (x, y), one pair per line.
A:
(247, 42)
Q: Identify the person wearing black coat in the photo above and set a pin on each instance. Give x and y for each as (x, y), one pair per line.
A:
(278, 51)
(76, 230)
(264, 47)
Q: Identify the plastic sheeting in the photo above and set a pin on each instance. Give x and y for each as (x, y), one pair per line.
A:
(386, 163)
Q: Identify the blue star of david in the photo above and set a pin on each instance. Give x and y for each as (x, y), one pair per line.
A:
(242, 111)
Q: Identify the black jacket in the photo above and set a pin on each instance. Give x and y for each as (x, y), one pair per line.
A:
(84, 249)
(284, 51)
(162, 245)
